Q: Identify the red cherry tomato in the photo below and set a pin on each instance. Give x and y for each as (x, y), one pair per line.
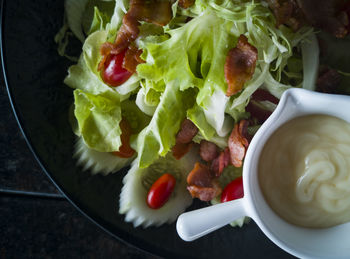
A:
(113, 72)
(125, 150)
(233, 191)
(160, 191)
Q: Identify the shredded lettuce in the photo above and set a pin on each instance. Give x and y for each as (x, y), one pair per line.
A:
(310, 50)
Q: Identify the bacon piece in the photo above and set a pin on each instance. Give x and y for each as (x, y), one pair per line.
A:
(263, 95)
(323, 14)
(152, 11)
(187, 132)
(132, 58)
(328, 81)
(127, 33)
(238, 143)
(201, 183)
(181, 149)
(257, 112)
(240, 65)
(205, 193)
(326, 15)
(219, 163)
(208, 150)
(105, 49)
(186, 3)
(287, 12)
(200, 175)
(255, 109)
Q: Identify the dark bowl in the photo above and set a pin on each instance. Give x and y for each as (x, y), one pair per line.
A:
(34, 74)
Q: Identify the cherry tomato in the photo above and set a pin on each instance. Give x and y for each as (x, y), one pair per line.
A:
(233, 191)
(160, 191)
(113, 72)
(125, 150)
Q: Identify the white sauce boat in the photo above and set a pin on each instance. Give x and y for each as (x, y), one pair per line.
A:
(333, 242)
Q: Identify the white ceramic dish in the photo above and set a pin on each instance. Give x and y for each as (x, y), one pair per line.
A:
(302, 242)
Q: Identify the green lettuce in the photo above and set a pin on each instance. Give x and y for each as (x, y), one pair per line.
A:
(99, 21)
(74, 11)
(98, 119)
(159, 136)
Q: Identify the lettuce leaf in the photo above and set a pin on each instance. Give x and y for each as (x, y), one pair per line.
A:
(189, 53)
(98, 119)
(197, 116)
(159, 136)
(99, 21)
(74, 11)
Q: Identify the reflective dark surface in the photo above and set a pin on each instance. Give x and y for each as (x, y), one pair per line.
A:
(34, 75)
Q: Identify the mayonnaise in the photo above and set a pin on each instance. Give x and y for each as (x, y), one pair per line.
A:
(304, 171)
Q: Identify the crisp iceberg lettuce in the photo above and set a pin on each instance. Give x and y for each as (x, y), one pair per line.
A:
(159, 136)
(98, 119)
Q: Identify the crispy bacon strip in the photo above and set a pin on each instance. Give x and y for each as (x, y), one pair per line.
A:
(323, 14)
(263, 95)
(202, 184)
(287, 12)
(153, 11)
(328, 81)
(187, 132)
(240, 65)
(326, 15)
(132, 58)
(208, 150)
(205, 193)
(184, 138)
(186, 3)
(181, 149)
(238, 143)
(255, 110)
(220, 162)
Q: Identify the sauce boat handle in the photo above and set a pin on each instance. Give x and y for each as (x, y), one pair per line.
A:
(197, 223)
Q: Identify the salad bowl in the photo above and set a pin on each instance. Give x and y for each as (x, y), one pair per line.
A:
(34, 73)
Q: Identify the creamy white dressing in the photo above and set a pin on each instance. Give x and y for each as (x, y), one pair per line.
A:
(304, 171)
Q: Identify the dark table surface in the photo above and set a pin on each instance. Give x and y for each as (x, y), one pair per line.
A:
(36, 221)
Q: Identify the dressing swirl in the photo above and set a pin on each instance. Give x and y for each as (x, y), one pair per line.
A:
(304, 171)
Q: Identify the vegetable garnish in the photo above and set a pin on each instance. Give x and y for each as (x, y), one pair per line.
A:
(233, 191)
(113, 72)
(180, 87)
(160, 191)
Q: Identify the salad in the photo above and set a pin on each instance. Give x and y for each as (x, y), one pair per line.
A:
(177, 89)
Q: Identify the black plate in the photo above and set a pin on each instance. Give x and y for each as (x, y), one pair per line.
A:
(34, 73)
